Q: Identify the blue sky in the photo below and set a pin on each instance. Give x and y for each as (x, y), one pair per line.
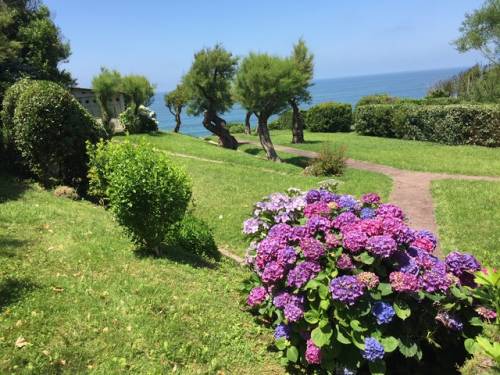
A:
(158, 38)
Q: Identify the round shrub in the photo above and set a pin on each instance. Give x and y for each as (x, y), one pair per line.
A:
(147, 193)
(331, 161)
(350, 288)
(66, 192)
(194, 236)
(329, 117)
(144, 121)
(12, 95)
(377, 99)
(50, 131)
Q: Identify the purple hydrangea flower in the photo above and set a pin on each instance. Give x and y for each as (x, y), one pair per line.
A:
(426, 234)
(281, 299)
(313, 196)
(257, 296)
(273, 272)
(458, 263)
(405, 263)
(368, 279)
(346, 289)
(371, 227)
(327, 196)
(312, 248)
(344, 219)
(345, 262)
(347, 202)
(390, 210)
(367, 213)
(252, 226)
(331, 240)
(294, 309)
(313, 353)
(423, 243)
(383, 246)
(302, 273)
(316, 208)
(449, 321)
(267, 250)
(373, 350)
(317, 224)
(383, 312)
(435, 279)
(355, 240)
(282, 330)
(370, 198)
(280, 232)
(287, 256)
(298, 233)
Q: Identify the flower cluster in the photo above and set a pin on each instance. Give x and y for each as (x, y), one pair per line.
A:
(328, 263)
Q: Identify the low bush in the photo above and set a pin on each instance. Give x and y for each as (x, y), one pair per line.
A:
(146, 192)
(329, 117)
(388, 99)
(195, 237)
(50, 131)
(235, 128)
(66, 192)
(454, 124)
(377, 99)
(349, 287)
(331, 161)
(144, 121)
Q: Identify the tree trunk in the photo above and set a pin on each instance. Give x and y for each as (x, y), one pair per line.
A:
(297, 124)
(177, 122)
(248, 129)
(216, 125)
(265, 139)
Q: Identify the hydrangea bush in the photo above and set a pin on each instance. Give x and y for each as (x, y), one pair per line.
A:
(349, 287)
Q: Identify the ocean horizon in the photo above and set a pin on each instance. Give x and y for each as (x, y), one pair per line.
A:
(412, 84)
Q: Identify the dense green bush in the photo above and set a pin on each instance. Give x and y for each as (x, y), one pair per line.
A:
(329, 117)
(194, 236)
(376, 99)
(144, 121)
(455, 124)
(331, 161)
(388, 99)
(235, 127)
(147, 193)
(50, 131)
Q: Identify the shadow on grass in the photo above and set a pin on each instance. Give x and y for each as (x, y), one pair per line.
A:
(9, 247)
(13, 290)
(11, 188)
(299, 161)
(176, 253)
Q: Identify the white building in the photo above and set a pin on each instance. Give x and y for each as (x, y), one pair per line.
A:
(87, 98)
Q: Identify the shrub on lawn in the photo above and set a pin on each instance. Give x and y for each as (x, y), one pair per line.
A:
(457, 124)
(146, 192)
(50, 131)
(235, 127)
(144, 121)
(194, 236)
(331, 161)
(348, 287)
(66, 192)
(329, 117)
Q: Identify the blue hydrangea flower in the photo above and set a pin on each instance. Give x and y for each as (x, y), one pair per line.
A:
(383, 312)
(282, 330)
(367, 213)
(373, 350)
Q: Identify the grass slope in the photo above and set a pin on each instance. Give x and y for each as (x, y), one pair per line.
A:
(468, 214)
(226, 188)
(72, 288)
(404, 154)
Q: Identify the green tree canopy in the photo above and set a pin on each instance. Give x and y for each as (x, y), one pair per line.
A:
(208, 83)
(137, 90)
(175, 101)
(105, 85)
(264, 84)
(31, 44)
(481, 31)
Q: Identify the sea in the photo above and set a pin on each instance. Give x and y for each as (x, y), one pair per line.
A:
(344, 89)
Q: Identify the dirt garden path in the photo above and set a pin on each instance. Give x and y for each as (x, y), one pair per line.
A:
(411, 189)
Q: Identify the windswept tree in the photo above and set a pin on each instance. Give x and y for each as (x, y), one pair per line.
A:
(481, 31)
(208, 83)
(262, 87)
(105, 85)
(137, 91)
(301, 81)
(175, 101)
(248, 128)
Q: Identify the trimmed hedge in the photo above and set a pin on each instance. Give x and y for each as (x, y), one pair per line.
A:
(454, 124)
(329, 117)
(388, 99)
(50, 131)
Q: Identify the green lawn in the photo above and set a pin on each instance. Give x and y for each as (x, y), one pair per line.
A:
(226, 188)
(468, 214)
(72, 289)
(411, 155)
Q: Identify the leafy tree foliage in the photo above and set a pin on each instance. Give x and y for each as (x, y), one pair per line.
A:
(137, 90)
(263, 86)
(31, 45)
(208, 83)
(481, 31)
(175, 101)
(105, 85)
(302, 79)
